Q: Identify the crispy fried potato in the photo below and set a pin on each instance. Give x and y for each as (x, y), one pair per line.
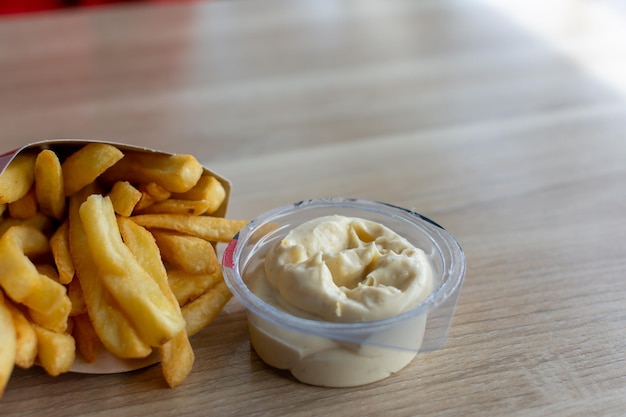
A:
(177, 356)
(75, 293)
(209, 190)
(177, 359)
(189, 253)
(124, 198)
(113, 328)
(40, 222)
(155, 191)
(24, 208)
(203, 310)
(85, 165)
(175, 173)
(25, 337)
(214, 229)
(17, 178)
(171, 206)
(56, 319)
(60, 246)
(55, 351)
(8, 345)
(36, 291)
(136, 292)
(87, 342)
(49, 184)
(187, 286)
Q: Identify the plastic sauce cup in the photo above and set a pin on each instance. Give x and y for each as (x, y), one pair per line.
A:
(345, 354)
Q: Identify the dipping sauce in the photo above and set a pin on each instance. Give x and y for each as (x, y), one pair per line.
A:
(338, 269)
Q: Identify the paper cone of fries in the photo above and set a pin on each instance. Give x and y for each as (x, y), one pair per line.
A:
(107, 257)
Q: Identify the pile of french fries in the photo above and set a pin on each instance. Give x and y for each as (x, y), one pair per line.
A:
(108, 248)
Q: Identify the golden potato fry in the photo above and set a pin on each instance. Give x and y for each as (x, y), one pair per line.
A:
(112, 327)
(172, 206)
(175, 173)
(8, 345)
(143, 247)
(214, 229)
(24, 208)
(25, 337)
(136, 292)
(36, 291)
(55, 320)
(49, 184)
(3, 208)
(87, 342)
(40, 222)
(209, 190)
(75, 293)
(48, 270)
(154, 190)
(55, 351)
(60, 246)
(151, 193)
(177, 359)
(187, 286)
(177, 356)
(85, 165)
(124, 198)
(17, 178)
(203, 310)
(189, 253)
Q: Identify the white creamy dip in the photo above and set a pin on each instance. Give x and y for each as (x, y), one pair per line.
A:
(338, 269)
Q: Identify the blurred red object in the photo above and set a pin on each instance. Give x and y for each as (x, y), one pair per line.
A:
(28, 6)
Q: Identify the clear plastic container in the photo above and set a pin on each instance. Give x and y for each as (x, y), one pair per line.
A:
(346, 354)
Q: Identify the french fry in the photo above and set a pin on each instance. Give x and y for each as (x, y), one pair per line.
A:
(111, 325)
(49, 184)
(171, 206)
(75, 293)
(8, 345)
(85, 165)
(48, 270)
(60, 246)
(17, 178)
(25, 207)
(40, 222)
(151, 193)
(203, 310)
(55, 351)
(87, 342)
(175, 173)
(137, 294)
(124, 198)
(25, 337)
(177, 358)
(209, 190)
(36, 291)
(3, 208)
(189, 253)
(56, 319)
(177, 355)
(155, 191)
(188, 286)
(214, 229)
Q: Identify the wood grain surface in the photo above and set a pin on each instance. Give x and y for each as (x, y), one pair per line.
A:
(449, 107)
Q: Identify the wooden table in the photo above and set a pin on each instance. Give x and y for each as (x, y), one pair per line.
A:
(516, 143)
